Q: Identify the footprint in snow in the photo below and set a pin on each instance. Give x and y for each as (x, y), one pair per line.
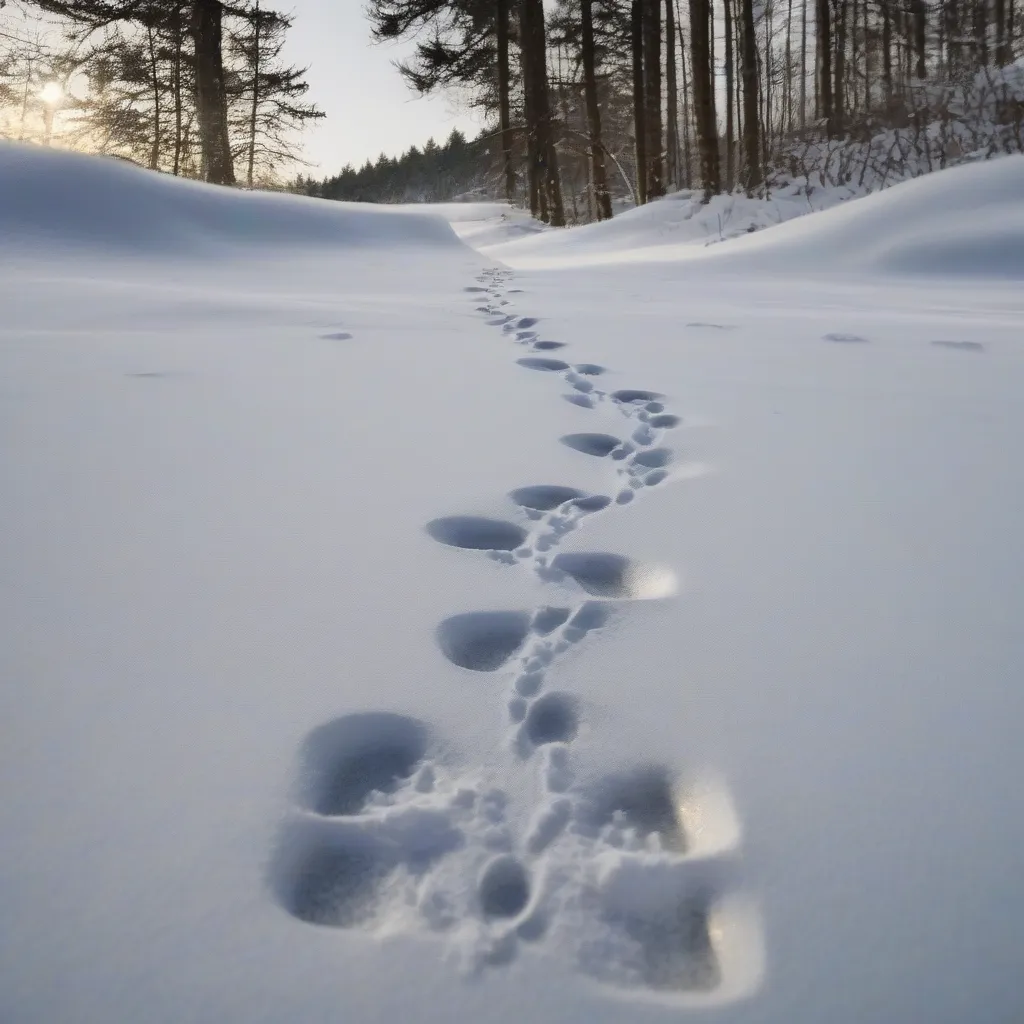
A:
(337, 336)
(583, 401)
(540, 363)
(548, 346)
(333, 863)
(839, 336)
(634, 396)
(476, 533)
(598, 445)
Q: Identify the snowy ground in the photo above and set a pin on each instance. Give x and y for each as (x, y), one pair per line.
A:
(399, 631)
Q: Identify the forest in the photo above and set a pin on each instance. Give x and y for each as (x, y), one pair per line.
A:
(587, 106)
(196, 88)
(590, 103)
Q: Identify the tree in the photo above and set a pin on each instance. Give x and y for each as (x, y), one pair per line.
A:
(655, 172)
(602, 197)
(751, 139)
(267, 94)
(545, 181)
(640, 133)
(704, 96)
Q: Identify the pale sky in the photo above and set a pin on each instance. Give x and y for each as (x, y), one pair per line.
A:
(368, 105)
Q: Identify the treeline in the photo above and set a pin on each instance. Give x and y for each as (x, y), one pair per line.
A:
(192, 87)
(434, 174)
(591, 100)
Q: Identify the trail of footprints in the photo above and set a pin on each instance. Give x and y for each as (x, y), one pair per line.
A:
(631, 877)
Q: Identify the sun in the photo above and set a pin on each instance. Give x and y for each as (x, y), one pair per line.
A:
(51, 93)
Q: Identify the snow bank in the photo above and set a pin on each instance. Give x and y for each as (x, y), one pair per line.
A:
(966, 221)
(52, 198)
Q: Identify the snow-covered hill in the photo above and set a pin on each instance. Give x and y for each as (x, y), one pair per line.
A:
(390, 633)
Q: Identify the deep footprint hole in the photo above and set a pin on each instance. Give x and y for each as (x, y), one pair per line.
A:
(544, 497)
(540, 363)
(599, 445)
(482, 641)
(346, 761)
(653, 458)
(335, 886)
(630, 395)
(602, 574)
(504, 888)
(643, 799)
(476, 533)
(552, 719)
(676, 952)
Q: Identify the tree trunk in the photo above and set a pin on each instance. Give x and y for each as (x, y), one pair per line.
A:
(704, 97)
(687, 155)
(504, 103)
(839, 90)
(599, 176)
(787, 89)
(639, 101)
(751, 141)
(920, 14)
(154, 153)
(730, 179)
(652, 99)
(211, 97)
(254, 108)
(980, 32)
(672, 91)
(803, 67)
(999, 17)
(824, 34)
(886, 51)
(178, 98)
(534, 50)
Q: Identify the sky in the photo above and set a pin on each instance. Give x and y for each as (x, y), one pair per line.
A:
(369, 108)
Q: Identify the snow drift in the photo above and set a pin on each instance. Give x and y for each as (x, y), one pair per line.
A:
(965, 221)
(56, 199)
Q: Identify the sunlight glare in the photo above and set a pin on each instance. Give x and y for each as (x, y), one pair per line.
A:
(51, 93)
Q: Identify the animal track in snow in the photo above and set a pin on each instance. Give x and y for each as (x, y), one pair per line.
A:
(551, 718)
(620, 876)
(539, 363)
(337, 336)
(347, 760)
(476, 533)
(630, 396)
(483, 641)
(599, 445)
(664, 421)
(606, 575)
(583, 401)
(839, 336)
(504, 887)
(653, 458)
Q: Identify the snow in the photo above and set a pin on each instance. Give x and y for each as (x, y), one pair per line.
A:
(353, 673)
(967, 221)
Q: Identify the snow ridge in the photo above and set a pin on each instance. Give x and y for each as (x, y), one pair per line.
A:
(635, 879)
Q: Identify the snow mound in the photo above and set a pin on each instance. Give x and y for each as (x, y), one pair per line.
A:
(112, 206)
(965, 221)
